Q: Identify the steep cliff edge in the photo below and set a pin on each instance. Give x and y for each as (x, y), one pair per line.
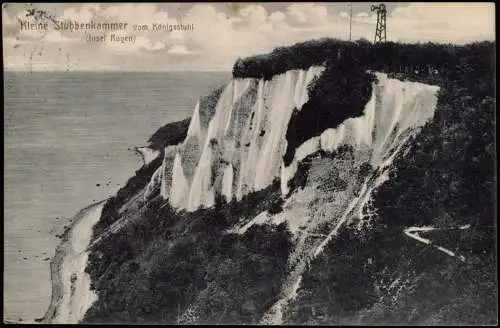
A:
(285, 197)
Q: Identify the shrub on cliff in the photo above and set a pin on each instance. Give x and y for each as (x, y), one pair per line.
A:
(169, 134)
(341, 92)
(134, 184)
(424, 58)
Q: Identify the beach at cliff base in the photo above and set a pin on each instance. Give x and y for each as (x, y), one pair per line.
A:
(71, 293)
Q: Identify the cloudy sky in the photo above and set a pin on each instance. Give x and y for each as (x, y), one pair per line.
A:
(222, 32)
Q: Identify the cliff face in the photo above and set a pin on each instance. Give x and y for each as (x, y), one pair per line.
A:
(277, 177)
(238, 149)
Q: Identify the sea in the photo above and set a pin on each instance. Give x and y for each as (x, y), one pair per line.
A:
(68, 142)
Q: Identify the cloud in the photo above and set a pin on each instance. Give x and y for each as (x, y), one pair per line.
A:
(308, 13)
(456, 22)
(84, 15)
(7, 19)
(132, 13)
(10, 24)
(221, 39)
(365, 18)
(180, 50)
(141, 43)
(343, 14)
(437, 22)
(277, 17)
(250, 29)
(254, 13)
(57, 37)
(147, 44)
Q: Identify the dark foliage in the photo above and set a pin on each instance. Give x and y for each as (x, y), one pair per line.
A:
(154, 268)
(134, 184)
(389, 279)
(416, 60)
(446, 179)
(341, 92)
(344, 88)
(450, 168)
(300, 178)
(299, 56)
(169, 134)
(276, 207)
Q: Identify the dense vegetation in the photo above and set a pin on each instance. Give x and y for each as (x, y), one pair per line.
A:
(155, 268)
(385, 278)
(411, 59)
(134, 184)
(169, 134)
(167, 261)
(446, 179)
(450, 169)
(345, 87)
(341, 92)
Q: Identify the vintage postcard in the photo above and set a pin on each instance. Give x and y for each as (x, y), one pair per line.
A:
(270, 163)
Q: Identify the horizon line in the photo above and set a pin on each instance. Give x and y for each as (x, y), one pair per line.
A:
(114, 71)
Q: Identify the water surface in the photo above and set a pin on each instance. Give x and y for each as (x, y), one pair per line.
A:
(67, 137)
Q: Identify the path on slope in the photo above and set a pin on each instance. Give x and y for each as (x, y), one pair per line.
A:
(413, 232)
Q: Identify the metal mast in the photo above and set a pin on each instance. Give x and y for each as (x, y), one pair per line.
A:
(381, 31)
(350, 20)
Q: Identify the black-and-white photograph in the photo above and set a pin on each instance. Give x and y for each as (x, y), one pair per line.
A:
(260, 163)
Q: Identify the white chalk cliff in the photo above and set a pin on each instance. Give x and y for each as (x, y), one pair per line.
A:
(238, 147)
